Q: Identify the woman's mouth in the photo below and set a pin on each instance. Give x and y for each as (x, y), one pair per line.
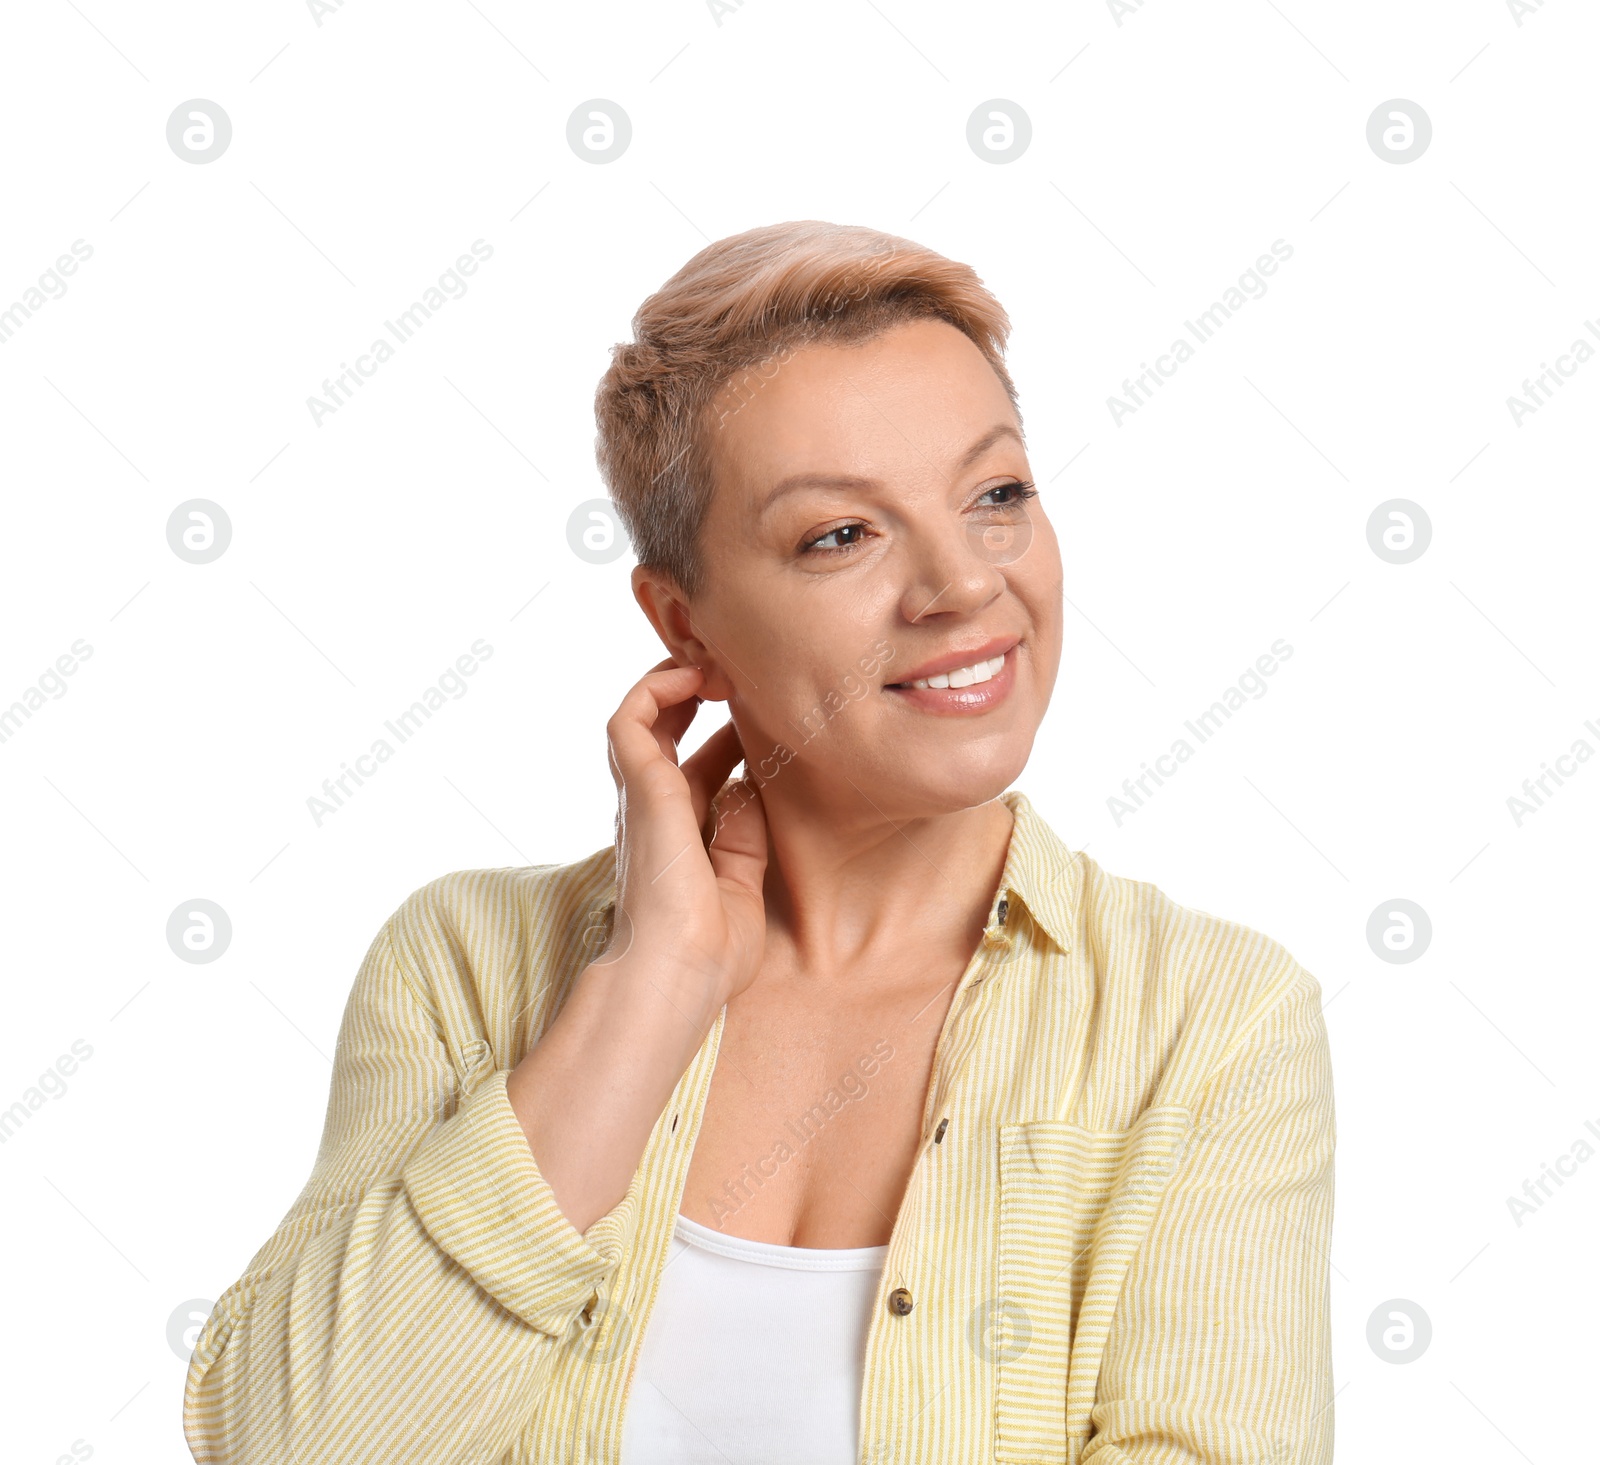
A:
(962, 676)
(963, 690)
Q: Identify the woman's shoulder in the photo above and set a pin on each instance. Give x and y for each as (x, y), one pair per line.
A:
(1183, 954)
(1189, 990)
(498, 941)
(1142, 949)
(471, 898)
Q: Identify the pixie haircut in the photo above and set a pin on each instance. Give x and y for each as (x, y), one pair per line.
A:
(709, 339)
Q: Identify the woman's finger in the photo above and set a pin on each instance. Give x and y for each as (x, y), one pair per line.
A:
(672, 723)
(738, 848)
(638, 733)
(708, 767)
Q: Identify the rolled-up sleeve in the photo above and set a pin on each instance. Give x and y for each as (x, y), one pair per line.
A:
(1221, 1352)
(407, 1306)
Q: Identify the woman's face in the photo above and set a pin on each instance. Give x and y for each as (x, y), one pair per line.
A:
(867, 527)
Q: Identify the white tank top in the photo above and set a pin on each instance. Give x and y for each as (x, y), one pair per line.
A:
(753, 1351)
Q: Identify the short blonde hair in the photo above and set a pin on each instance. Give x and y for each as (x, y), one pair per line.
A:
(723, 325)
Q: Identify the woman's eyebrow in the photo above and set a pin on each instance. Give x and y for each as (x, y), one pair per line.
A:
(796, 481)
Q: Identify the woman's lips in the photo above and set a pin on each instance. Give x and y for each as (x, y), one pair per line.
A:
(962, 701)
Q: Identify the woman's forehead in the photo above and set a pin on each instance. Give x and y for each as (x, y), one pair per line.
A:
(840, 411)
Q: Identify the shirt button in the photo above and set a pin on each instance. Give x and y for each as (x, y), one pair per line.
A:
(899, 1302)
(938, 1134)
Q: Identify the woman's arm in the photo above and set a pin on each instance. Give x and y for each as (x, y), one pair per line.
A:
(407, 1306)
(1220, 1350)
(403, 1308)
(689, 932)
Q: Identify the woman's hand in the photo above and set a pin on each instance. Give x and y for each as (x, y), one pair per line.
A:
(689, 932)
(689, 889)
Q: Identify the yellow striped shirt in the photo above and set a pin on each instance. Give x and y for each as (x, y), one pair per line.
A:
(1115, 1237)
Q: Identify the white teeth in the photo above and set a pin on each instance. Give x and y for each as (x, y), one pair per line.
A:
(964, 676)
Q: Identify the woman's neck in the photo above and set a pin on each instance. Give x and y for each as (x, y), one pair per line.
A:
(839, 892)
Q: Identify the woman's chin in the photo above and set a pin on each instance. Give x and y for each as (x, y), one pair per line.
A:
(914, 789)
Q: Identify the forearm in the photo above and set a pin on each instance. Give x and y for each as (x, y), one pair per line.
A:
(588, 1094)
(360, 1348)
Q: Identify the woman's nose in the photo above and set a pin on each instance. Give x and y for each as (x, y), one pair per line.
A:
(961, 572)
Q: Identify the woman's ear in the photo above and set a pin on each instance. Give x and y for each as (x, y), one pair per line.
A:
(667, 609)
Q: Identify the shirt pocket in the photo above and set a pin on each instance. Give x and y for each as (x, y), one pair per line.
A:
(1074, 1204)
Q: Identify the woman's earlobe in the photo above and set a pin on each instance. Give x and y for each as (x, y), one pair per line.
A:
(717, 686)
(715, 690)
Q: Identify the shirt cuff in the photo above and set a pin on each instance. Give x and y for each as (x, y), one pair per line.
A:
(477, 1189)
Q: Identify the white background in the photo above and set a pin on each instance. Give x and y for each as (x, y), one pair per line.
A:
(368, 552)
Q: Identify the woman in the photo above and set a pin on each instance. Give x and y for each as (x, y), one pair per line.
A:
(840, 1111)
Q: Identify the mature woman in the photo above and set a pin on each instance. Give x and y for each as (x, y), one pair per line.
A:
(835, 1113)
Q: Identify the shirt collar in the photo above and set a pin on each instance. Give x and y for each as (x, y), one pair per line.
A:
(1042, 871)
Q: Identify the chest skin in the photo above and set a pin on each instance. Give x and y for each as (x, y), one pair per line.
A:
(814, 1117)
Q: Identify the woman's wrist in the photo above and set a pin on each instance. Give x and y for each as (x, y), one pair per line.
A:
(589, 1092)
(666, 1000)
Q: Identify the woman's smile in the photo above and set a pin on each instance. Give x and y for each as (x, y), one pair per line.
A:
(978, 684)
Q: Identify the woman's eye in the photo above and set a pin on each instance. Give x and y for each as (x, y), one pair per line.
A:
(845, 537)
(1020, 493)
(821, 542)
